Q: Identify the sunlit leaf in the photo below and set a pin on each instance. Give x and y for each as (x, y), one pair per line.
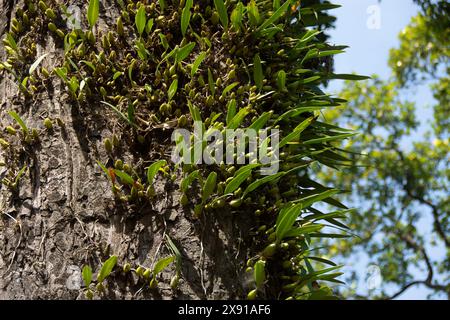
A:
(153, 169)
(106, 269)
(87, 275)
(36, 63)
(162, 264)
(173, 89)
(93, 11)
(186, 16)
(140, 19)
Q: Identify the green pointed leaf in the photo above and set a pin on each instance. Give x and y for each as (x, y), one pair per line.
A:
(153, 169)
(281, 80)
(275, 16)
(259, 123)
(176, 252)
(89, 64)
(258, 75)
(353, 77)
(237, 15)
(231, 111)
(130, 113)
(164, 42)
(235, 183)
(326, 261)
(187, 182)
(140, 19)
(247, 167)
(259, 273)
(162, 4)
(295, 232)
(93, 11)
(259, 182)
(329, 138)
(197, 62)
(117, 75)
(330, 235)
(209, 186)
(309, 200)
(12, 43)
(212, 85)
(195, 113)
(36, 63)
(149, 26)
(124, 177)
(223, 14)
(295, 134)
(253, 13)
(296, 112)
(229, 88)
(162, 264)
(184, 52)
(104, 169)
(309, 35)
(87, 275)
(106, 269)
(173, 89)
(19, 121)
(121, 114)
(186, 16)
(238, 118)
(329, 53)
(286, 219)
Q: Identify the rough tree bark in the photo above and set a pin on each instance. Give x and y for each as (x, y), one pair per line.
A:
(64, 216)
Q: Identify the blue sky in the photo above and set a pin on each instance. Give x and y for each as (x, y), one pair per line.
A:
(369, 48)
(367, 55)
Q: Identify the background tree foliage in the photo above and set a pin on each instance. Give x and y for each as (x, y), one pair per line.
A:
(401, 182)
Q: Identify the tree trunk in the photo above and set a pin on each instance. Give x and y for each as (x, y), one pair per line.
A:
(63, 214)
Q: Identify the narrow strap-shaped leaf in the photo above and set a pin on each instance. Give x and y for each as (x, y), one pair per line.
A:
(238, 118)
(209, 186)
(259, 123)
(186, 16)
(195, 113)
(222, 11)
(173, 89)
(296, 133)
(197, 62)
(258, 75)
(124, 177)
(275, 16)
(234, 184)
(87, 275)
(259, 273)
(153, 169)
(260, 182)
(189, 180)
(36, 63)
(329, 138)
(106, 269)
(93, 10)
(162, 264)
(231, 111)
(140, 19)
(19, 120)
(184, 51)
(212, 85)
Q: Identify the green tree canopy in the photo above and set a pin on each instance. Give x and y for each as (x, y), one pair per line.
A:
(401, 177)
